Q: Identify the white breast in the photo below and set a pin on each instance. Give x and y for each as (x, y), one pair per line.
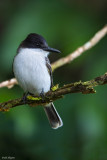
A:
(30, 70)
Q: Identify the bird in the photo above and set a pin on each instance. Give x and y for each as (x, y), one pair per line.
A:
(32, 69)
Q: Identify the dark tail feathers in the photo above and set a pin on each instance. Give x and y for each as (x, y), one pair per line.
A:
(53, 116)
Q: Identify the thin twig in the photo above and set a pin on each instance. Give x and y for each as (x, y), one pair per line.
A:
(92, 42)
(9, 83)
(83, 87)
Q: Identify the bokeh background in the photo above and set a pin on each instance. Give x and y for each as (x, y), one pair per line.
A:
(66, 24)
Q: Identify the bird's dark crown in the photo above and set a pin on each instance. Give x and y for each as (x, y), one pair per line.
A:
(34, 40)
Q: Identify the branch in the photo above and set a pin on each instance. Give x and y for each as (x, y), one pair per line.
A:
(9, 83)
(77, 87)
(88, 45)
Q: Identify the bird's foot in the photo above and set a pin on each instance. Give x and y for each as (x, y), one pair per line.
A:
(42, 94)
(24, 98)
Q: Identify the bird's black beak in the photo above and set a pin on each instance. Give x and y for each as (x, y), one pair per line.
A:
(52, 50)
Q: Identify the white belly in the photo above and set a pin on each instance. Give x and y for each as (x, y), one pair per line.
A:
(30, 70)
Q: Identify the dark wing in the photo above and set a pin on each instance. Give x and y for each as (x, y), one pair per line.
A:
(49, 70)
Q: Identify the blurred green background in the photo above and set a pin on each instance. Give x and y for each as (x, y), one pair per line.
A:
(66, 24)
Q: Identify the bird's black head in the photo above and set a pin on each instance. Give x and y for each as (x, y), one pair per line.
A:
(34, 40)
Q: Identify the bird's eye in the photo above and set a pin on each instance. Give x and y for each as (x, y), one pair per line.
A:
(38, 45)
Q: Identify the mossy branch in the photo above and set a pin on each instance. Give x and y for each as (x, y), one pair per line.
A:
(77, 87)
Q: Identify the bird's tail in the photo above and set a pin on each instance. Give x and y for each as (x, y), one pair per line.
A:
(53, 116)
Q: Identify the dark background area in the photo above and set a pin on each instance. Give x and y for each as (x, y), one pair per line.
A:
(66, 24)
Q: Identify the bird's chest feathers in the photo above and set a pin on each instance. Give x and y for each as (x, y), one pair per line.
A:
(31, 70)
(31, 60)
(31, 57)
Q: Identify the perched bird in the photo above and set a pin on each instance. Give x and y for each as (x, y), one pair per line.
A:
(33, 72)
